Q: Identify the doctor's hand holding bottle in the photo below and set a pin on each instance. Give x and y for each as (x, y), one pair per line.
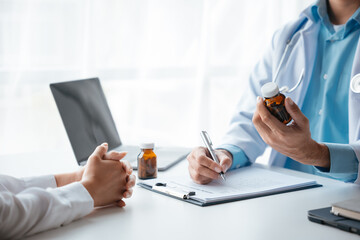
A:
(292, 140)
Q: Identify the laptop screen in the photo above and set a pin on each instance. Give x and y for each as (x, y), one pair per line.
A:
(85, 115)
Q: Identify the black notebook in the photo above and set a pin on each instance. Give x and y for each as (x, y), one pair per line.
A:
(324, 216)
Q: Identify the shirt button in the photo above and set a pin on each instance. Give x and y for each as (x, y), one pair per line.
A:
(237, 166)
(320, 112)
(325, 76)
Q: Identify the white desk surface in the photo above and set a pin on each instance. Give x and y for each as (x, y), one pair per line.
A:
(153, 216)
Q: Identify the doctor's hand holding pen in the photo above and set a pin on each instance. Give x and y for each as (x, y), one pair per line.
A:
(203, 169)
(293, 140)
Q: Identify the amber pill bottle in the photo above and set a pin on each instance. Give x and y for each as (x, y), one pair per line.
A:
(275, 102)
(147, 167)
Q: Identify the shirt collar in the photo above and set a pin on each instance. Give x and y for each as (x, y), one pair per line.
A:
(312, 11)
(318, 12)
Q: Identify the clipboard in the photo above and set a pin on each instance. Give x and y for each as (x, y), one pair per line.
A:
(186, 198)
(182, 188)
(177, 195)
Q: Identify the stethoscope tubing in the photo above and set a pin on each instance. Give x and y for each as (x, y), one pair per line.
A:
(285, 89)
(354, 83)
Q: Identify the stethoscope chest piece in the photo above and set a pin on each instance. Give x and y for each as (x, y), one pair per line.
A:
(355, 83)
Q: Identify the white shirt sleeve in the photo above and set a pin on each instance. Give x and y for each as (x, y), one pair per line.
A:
(30, 205)
(15, 185)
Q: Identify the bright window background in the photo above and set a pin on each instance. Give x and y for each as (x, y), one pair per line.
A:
(169, 68)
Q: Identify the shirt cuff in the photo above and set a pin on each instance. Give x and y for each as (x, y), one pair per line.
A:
(47, 181)
(239, 157)
(343, 162)
(78, 198)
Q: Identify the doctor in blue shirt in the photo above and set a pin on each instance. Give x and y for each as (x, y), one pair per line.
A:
(322, 46)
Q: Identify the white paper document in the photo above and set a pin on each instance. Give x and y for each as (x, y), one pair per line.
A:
(242, 183)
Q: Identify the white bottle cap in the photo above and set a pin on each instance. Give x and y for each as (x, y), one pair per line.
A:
(269, 90)
(147, 145)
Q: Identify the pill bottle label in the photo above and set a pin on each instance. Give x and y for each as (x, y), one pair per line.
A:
(276, 106)
(147, 166)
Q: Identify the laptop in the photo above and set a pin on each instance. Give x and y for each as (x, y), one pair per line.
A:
(324, 216)
(88, 122)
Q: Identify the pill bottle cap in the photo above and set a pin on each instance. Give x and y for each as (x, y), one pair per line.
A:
(147, 145)
(269, 90)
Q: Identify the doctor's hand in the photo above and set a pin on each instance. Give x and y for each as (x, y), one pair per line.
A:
(293, 140)
(203, 169)
(107, 179)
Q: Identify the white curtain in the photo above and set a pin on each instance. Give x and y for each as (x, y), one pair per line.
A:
(169, 68)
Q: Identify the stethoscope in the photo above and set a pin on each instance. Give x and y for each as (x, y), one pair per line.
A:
(354, 83)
